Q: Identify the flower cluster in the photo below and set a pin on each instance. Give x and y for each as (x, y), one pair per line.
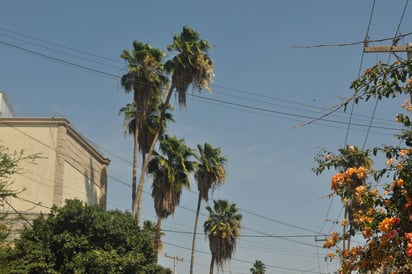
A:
(352, 175)
(384, 220)
(331, 241)
(408, 237)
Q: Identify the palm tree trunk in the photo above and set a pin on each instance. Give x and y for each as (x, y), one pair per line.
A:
(156, 136)
(192, 258)
(157, 235)
(212, 264)
(134, 176)
(139, 194)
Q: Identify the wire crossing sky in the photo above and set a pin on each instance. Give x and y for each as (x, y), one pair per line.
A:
(278, 66)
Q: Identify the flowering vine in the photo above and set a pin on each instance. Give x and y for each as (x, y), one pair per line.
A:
(383, 216)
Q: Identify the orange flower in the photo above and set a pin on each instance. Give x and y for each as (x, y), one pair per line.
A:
(368, 71)
(359, 190)
(329, 243)
(367, 232)
(404, 152)
(374, 192)
(332, 240)
(408, 202)
(389, 161)
(408, 251)
(337, 180)
(385, 225)
(366, 219)
(331, 255)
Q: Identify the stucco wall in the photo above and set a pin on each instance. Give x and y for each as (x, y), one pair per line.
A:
(68, 167)
(35, 180)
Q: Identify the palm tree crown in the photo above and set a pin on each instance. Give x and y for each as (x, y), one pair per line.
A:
(170, 171)
(145, 77)
(258, 267)
(191, 65)
(223, 229)
(210, 171)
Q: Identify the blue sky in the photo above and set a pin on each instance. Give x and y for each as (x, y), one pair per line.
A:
(269, 156)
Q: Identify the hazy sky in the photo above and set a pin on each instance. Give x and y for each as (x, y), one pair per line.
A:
(62, 58)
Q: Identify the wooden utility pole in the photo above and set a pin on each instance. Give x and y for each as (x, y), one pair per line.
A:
(175, 259)
(394, 48)
(407, 48)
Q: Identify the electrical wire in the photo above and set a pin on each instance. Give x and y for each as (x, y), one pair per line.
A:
(242, 106)
(377, 101)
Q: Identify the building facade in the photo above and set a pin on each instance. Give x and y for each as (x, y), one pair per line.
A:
(6, 110)
(67, 165)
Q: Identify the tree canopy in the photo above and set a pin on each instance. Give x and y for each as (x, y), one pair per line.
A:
(82, 239)
(9, 165)
(381, 212)
(258, 268)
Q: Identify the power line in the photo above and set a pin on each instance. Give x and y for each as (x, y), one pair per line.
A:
(377, 101)
(60, 52)
(355, 43)
(244, 106)
(245, 261)
(129, 185)
(60, 45)
(61, 61)
(249, 235)
(116, 77)
(286, 113)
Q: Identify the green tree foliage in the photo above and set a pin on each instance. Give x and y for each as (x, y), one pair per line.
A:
(210, 173)
(222, 228)
(258, 267)
(381, 210)
(145, 77)
(83, 239)
(146, 134)
(190, 66)
(170, 171)
(9, 165)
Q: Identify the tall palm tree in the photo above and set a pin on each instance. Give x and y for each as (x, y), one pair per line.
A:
(144, 138)
(170, 171)
(223, 229)
(210, 173)
(258, 267)
(145, 77)
(191, 65)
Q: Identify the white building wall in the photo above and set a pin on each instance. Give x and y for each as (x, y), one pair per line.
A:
(6, 110)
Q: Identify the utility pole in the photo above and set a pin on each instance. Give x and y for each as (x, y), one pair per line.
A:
(394, 48)
(407, 48)
(175, 259)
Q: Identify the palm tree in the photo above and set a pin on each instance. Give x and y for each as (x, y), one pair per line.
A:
(145, 77)
(210, 173)
(258, 267)
(223, 229)
(170, 171)
(191, 65)
(144, 138)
